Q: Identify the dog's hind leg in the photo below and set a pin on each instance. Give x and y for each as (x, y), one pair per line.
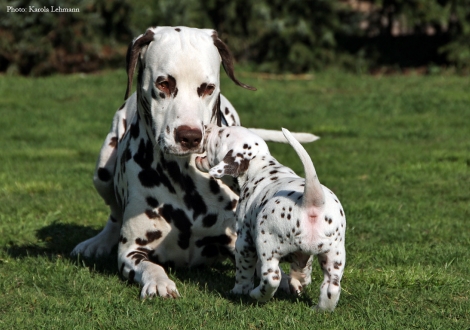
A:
(270, 279)
(332, 264)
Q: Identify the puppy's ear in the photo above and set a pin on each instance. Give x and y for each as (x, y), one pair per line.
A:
(233, 165)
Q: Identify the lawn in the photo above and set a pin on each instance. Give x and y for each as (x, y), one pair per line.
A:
(395, 149)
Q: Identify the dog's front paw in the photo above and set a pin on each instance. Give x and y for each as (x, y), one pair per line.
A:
(101, 244)
(93, 247)
(164, 288)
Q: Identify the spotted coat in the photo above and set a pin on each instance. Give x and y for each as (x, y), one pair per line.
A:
(165, 213)
(280, 216)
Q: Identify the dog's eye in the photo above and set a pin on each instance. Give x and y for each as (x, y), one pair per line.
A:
(163, 86)
(205, 89)
(209, 89)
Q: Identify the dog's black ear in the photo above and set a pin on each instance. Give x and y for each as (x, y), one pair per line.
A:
(133, 52)
(227, 61)
(217, 113)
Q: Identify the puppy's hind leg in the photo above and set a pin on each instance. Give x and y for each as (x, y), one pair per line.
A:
(270, 279)
(332, 264)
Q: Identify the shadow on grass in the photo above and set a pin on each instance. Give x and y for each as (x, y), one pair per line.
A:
(60, 239)
(219, 280)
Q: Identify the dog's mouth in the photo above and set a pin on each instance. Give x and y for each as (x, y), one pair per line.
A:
(202, 164)
(180, 152)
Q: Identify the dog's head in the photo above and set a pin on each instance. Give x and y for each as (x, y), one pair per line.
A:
(178, 87)
(229, 150)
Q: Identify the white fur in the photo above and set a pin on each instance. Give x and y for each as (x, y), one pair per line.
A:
(280, 216)
(190, 57)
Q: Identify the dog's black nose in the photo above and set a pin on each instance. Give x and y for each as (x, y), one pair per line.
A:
(187, 137)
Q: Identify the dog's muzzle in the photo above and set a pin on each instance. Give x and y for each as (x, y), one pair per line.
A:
(188, 138)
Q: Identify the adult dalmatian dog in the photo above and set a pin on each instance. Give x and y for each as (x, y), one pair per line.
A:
(280, 216)
(163, 211)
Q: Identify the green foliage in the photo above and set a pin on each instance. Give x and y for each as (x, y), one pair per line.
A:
(298, 36)
(395, 150)
(274, 36)
(457, 50)
(279, 36)
(448, 19)
(41, 43)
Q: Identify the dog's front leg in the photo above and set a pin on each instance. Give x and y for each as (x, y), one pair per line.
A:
(101, 244)
(245, 258)
(135, 266)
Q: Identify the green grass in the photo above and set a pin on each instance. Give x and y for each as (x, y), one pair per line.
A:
(396, 151)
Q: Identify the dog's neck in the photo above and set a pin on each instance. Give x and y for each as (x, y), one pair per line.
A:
(260, 167)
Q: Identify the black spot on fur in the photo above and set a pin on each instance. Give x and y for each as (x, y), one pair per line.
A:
(127, 155)
(153, 202)
(151, 214)
(181, 222)
(104, 174)
(209, 220)
(150, 237)
(164, 179)
(149, 178)
(214, 186)
(134, 130)
(173, 170)
(144, 155)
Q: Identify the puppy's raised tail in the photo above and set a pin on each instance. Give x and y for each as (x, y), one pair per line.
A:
(277, 136)
(313, 191)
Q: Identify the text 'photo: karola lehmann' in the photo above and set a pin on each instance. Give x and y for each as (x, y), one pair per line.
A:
(44, 9)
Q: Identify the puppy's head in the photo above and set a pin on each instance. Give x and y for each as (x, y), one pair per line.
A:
(229, 150)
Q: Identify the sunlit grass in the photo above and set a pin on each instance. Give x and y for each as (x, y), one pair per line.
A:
(396, 150)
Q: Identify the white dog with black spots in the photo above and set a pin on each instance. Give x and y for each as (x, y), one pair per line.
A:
(163, 211)
(280, 216)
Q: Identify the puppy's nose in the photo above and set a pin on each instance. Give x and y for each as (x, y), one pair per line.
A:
(187, 137)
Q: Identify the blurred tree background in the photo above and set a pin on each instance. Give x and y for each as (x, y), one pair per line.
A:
(271, 36)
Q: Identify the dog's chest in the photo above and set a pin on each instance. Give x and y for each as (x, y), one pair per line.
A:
(192, 213)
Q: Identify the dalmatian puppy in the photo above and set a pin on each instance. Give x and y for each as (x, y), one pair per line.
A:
(280, 216)
(165, 213)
